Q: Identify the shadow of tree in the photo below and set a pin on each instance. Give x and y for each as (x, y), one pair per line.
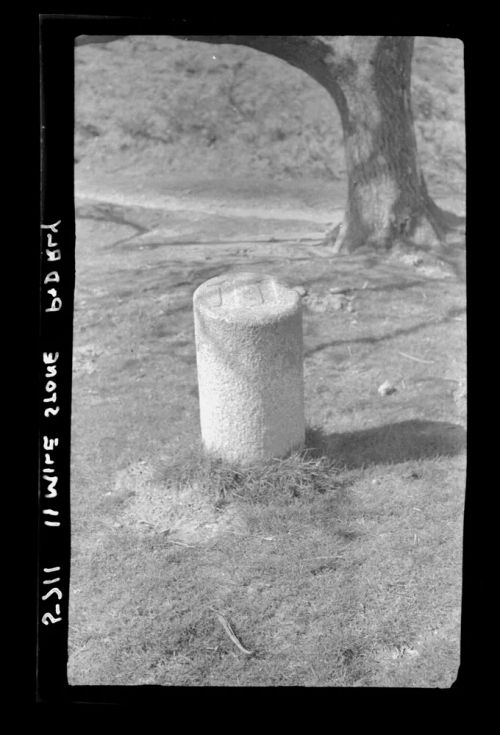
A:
(105, 212)
(452, 313)
(388, 444)
(401, 286)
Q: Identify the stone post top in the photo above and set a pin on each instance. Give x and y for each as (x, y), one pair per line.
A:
(246, 297)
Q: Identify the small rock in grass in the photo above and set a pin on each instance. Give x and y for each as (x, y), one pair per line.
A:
(386, 389)
(301, 290)
(338, 302)
(411, 259)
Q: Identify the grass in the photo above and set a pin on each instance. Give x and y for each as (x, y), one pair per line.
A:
(338, 567)
(294, 475)
(328, 575)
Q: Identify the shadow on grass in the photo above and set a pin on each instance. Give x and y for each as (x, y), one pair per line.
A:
(402, 331)
(396, 286)
(388, 444)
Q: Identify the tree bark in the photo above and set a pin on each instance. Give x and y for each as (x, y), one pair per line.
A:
(369, 79)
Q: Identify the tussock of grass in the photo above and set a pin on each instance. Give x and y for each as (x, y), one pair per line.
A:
(201, 498)
(299, 475)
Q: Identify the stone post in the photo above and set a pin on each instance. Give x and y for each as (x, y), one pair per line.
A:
(248, 330)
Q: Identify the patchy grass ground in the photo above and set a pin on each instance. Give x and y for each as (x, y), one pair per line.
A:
(337, 567)
(353, 581)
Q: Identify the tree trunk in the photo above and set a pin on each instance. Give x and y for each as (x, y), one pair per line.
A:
(369, 78)
(387, 195)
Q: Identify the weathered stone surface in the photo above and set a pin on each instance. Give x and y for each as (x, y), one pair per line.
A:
(248, 329)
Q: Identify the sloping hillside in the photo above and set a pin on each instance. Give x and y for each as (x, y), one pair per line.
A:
(186, 108)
